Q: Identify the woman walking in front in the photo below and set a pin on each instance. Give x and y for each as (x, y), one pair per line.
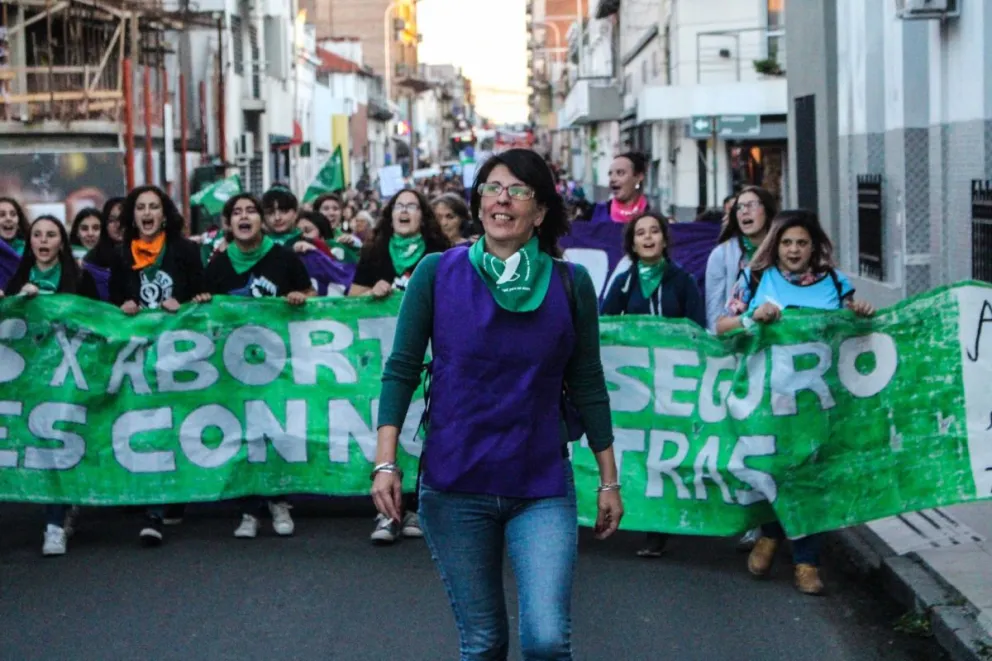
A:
(496, 470)
(793, 268)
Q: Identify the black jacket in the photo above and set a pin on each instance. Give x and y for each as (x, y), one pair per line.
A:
(680, 297)
(180, 276)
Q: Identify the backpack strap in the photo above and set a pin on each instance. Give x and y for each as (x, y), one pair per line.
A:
(837, 286)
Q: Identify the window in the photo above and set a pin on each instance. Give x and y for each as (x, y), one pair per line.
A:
(870, 244)
(776, 31)
(981, 230)
(644, 71)
(237, 46)
(654, 63)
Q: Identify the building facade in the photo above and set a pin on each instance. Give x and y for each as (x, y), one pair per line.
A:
(892, 135)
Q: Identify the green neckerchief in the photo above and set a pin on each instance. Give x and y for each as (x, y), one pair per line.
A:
(47, 282)
(650, 276)
(518, 284)
(406, 251)
(243, 261)
(748, 248)
(345, 253)
(79, 252)
(287, 238)
(17, 245)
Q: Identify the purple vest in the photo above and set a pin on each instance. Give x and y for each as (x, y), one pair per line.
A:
(495, 417)
(601, 213)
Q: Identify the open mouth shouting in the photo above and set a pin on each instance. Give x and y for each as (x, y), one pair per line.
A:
(44, 253)
(8, 229)
(147, 225)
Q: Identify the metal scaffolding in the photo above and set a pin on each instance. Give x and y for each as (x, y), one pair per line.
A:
(64, 60)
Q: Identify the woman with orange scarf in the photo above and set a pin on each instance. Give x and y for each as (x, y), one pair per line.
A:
(155, 269)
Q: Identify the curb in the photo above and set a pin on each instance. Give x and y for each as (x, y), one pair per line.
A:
(908, 580)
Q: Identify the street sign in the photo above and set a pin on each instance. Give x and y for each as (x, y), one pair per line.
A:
(701, 126)
(738, 126)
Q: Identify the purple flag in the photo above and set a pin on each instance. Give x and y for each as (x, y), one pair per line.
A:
(8, 263)
(329, 276)
(599, 248)
(101, 277)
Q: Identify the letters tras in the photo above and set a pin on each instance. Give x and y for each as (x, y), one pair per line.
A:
(713, 394)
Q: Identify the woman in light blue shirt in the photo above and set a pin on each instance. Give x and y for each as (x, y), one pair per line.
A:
(793, 268)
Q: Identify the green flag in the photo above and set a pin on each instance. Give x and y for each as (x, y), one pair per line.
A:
(329, 179)
(213, 197)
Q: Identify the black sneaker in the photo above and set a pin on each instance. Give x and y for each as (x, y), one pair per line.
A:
(174, 514)
(151, 534)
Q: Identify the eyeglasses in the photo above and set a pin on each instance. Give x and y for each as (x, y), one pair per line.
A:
(745, 206)
(410, 207)
(516, 191)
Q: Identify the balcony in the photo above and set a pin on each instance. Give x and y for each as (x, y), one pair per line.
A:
(589, 102)
(724, 56)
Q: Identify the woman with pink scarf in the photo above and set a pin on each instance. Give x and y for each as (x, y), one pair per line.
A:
(627, 182)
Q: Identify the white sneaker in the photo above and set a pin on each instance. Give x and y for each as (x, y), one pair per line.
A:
(282, 522)
(248, 528)
(411, 525)
(386, 530)
(55, 541)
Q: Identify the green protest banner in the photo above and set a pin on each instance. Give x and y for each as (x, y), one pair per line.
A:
(823, 419)
(213, 197)
(330, 178)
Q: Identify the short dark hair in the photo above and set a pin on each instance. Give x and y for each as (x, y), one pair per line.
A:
(69, 281)
(733, 227)
(822, 259)
(234, 199)
(530, 168)
(173, 219)
(23, 226)
(637, 159)
(88, 212)
(280, 197)
(631, 229)
(319, 202)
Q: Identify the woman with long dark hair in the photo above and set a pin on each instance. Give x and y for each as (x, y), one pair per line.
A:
(14, 224)
(155, 269)
(48, 267)
(108, 247)
(627, 172)
(793, 268)
(509, 326)
(406, 232)
(654, 285)
(454, 217)
(255, 266)
(86, 232)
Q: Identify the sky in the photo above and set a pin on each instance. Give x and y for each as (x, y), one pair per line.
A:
(488, 40)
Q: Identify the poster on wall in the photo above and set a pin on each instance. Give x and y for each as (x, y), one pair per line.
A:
(62, 183)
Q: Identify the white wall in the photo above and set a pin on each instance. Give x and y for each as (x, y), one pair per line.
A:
(694, 17)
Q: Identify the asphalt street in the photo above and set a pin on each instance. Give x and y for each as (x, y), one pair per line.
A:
(326, 594)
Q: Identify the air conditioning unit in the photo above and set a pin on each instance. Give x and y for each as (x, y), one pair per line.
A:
(910, 10)
(244, 148)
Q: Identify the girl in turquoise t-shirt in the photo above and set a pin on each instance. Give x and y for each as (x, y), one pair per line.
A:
(793, 268)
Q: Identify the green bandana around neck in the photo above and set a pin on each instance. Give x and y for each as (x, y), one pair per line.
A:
(17, 245)
(287, 238)
(748, 247)
(520, 283)
(243, 261)
(47, 282)
(650, 276)
(406, 251)
(79, 252)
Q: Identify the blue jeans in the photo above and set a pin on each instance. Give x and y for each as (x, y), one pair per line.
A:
(466, 534)
(805, 550)
(55, 515)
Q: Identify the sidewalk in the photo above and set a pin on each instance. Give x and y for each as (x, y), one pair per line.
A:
(938, 562)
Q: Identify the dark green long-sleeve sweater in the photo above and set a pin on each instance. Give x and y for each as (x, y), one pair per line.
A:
(583, 374)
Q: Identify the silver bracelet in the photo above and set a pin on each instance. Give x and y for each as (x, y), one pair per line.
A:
(612, 486)
(388, 467)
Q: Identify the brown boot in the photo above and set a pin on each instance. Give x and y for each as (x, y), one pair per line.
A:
(759, 562)
(808, 580)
